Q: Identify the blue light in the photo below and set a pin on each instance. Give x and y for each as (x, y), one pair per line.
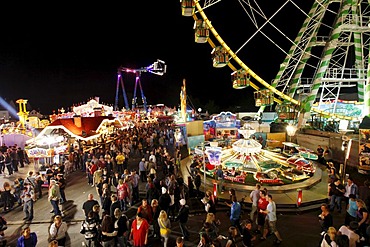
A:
(9, 108)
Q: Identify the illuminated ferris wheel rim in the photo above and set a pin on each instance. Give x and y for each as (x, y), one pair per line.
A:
(234, 56)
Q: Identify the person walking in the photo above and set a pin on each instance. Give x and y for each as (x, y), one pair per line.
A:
(219, 174)
(254, 196)
(350, 231)
(337, 192)
(123, 192)
(231, 241)
(90, 229)
(328, 239)
(120, 159)
(142, 170)
(156, 210)
(2, 162)
(28, 198)
(261, 215)
(54, 196)
(62, 186)
(248, 238)
(88, 205)
(320, 154)
(197, 183)
(27, 238)
(235, 212)
(164, 200)
(121, 225)
(182, 217)
(58, 230)
(8, 164)
(351, 213)
(350, 188)
(108, 231)
(115, 204)
(139, 231)
(271, 218)
(325, 218)
(165, 227)
(363, 218)
(135, 178)
(146, 210)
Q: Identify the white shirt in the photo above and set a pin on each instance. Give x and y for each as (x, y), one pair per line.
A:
(271, 208)
(152, 158)
(352, 236)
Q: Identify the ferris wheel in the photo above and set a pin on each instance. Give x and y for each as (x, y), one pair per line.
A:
(323, 49)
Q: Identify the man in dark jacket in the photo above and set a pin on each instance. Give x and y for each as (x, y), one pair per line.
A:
(182, 217)
(115, 204)
(164, 200)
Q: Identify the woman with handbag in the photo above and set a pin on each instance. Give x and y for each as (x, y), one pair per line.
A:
(164, 226)
(58, 230)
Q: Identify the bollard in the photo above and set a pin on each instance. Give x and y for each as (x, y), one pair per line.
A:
(299, 197)
(215, 190)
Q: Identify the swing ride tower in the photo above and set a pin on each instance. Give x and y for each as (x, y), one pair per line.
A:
(159, 68)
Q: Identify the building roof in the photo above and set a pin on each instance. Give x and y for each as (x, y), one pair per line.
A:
(89, 125)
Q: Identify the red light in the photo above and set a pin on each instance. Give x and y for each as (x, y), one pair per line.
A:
(215, 190)
(299, 197)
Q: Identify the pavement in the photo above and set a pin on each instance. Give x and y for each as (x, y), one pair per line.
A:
(298, 228)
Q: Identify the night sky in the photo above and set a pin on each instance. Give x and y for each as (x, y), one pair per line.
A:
(57, 56)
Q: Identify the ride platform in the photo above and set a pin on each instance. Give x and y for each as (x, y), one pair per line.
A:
(314, 190)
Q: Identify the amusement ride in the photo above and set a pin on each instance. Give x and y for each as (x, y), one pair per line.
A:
(158, 68)
(327, 58)
(323, 74)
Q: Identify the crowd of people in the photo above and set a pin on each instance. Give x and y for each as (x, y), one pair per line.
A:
(354, 199)
(165, 200)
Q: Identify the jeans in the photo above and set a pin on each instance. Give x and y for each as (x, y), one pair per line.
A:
(184, 230)
(121, 241)
(62, 196)
(91, 243)
(236, 223)
(109, 243)
(28, 209)
(55, 204)
(220, 186)
(336, 201)
(10, 169)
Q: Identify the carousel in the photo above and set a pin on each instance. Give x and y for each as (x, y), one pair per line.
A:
(246, 162)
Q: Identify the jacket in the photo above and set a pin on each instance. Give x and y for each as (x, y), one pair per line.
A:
(90, 229)
(183, 214)
(235, 211)
(33, 236)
